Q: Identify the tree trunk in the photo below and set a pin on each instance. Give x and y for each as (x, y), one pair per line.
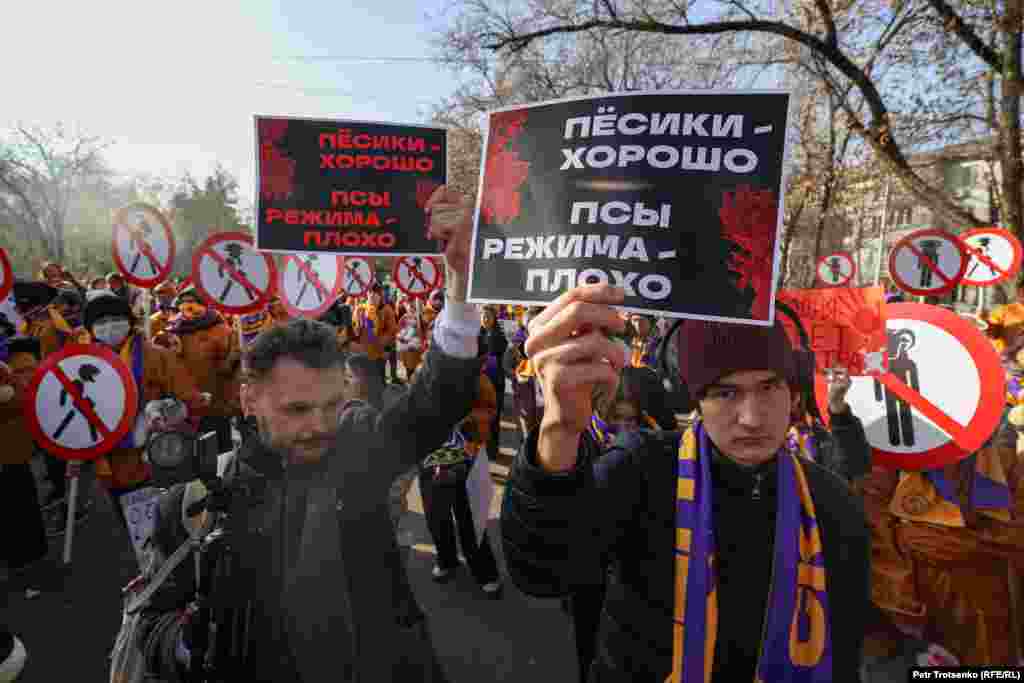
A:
(1010, 117)
(787, 239)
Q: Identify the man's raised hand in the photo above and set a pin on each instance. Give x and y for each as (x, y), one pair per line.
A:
(574, 360)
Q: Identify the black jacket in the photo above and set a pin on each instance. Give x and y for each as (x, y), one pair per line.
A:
(313, 618)
(492, 342)
(558, 528)
(843, 449)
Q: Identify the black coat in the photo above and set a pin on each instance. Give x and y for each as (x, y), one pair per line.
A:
(557, 529)
(492, 342)
(843, 449)
(278, 573)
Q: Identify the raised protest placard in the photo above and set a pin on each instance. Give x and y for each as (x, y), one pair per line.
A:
(843, 324)
(346, 187)
(674, 196)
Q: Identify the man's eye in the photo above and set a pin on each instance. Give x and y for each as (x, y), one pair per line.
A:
(722, 395)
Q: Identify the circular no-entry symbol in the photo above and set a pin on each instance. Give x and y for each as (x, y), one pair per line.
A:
(357, 277)
(6, 275)
(928, 262)
(836, 269)
(82, 401)
(995, 256)
(143, 246)
(416, 275)
(941, 397)
(308, 283)
(231, 275)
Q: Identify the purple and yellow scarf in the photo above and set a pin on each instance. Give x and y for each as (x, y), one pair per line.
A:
(1014, 387)
(368, 321)
(989, 493)
(800, 441)
(604, 433)
(645, 351)
(131, 354)
(796, 646)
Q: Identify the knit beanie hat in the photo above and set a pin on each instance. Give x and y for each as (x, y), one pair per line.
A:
(709, 351)
(189, 294)
(105, 303)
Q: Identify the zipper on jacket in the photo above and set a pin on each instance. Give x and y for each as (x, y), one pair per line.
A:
(755, 493)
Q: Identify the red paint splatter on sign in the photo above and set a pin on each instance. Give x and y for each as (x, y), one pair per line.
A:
(277, 170)
(505, 171)
(749, 218)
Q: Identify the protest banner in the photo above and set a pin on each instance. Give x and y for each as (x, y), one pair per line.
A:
(843, 324)
(675, 196)
(346, 187)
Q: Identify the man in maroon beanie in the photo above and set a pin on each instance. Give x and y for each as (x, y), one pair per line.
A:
(731, 559)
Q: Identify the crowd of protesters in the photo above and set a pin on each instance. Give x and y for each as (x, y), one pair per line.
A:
(676, 486)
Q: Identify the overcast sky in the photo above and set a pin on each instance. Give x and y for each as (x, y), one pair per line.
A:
(175, 85)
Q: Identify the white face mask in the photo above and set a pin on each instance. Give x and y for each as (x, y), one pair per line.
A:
(112, 332)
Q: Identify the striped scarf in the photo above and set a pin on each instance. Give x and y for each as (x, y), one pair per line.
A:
(1014, 389)
(800, 441)
(131, 354)
(796, 646)
(989, 493)
(604, 434)
(645, 351)
(368, 321)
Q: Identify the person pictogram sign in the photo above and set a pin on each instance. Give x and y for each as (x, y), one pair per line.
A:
(143, 246)
(6, 275)
(995, 256)
(82, 402)
(942, 396)
(357, 277)
(308, 283)
(836, 270)
(416, 276)
(231, 275)
(928, 262)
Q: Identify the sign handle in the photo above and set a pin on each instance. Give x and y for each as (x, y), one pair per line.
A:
(72, 472)
(147, 311)
(981, 301)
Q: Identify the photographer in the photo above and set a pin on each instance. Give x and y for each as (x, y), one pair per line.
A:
(317, 590)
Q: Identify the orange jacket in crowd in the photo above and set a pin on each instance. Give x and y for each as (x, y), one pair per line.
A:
(385, 327)
(163, 374)
(476, 426)
(16, 438)
(208, 355)
(1005, 323)
(951, 571)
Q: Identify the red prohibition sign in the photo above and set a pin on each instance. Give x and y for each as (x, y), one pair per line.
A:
(984, 259)
(143, 246)
(351, 268)
(235, 276)
(6, 275)
(965, 439)
(948, 283)
(408, 272)
(842, 256)
(109, 438)
(327, 296)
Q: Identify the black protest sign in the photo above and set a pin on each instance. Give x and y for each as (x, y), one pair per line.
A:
(674, 196)
(346, 187)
